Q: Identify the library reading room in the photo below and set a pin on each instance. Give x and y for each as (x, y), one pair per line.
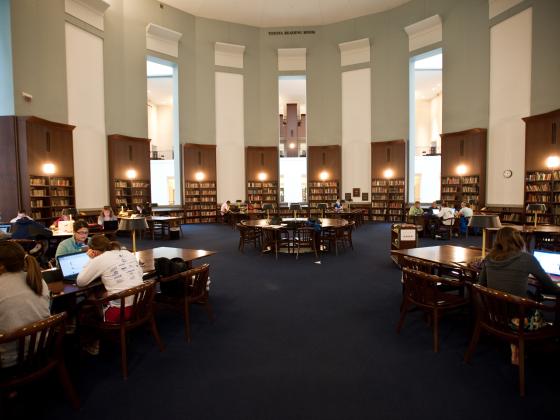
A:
(228, 209)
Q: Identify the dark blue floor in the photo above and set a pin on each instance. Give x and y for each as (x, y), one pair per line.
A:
(299, 340)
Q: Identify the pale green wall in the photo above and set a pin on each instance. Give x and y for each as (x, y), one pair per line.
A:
(39, 67)
(6, 74)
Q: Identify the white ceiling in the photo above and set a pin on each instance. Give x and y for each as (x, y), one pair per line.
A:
(427, 84)
(292, 90)
(160, 90)
(272, 13)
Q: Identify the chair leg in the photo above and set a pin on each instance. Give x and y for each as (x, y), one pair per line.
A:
(473, 343)
(67, 385)
(404, 310)
(209, 310)
(297, 251)
(124, 364)
(435, 317)
(187, 321)
(521, 368)
(155, 333)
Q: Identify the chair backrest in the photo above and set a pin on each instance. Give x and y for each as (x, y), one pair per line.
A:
(38, 344)
(304, 234)
(496, 310)
(142, 297)
(196, 282)
(421, 287)
(417, 264)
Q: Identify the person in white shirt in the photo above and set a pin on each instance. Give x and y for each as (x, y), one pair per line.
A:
(465, 211)
(118, 268)
(446, 215)
(225, 211)
(21, 214)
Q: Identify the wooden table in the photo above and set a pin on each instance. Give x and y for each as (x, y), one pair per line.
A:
(147, 258)
(441, 254)
(325, 222)
(529, 232)
(164, 224)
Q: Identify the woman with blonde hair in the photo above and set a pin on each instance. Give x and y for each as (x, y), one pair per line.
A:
(24, 295)
(507, 267)
(106, 215)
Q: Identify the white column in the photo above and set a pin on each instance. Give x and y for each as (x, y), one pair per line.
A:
(356, 131)
(230, 140)
(86, 110)
(510, 100)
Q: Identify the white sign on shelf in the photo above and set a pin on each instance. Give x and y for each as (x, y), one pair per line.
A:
(408, 235)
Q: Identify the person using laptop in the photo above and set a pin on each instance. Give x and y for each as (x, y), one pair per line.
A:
(446, 214)
(24, 295)
(507, 268)
(118, 268)
(27, 228)
(77, 242)
(64, 217)
(106, 215)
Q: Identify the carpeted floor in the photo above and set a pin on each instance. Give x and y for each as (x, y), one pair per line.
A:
(300, 340)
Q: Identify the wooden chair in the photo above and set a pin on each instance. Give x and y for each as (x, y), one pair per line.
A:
(495, 311)
(39, 351)
(195, 291)
(276, 238)
(346, 237)
(248, 235)
(142, 298)
(304, 237)
(422, 291)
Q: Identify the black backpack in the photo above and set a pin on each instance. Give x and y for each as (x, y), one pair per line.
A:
(166, 267)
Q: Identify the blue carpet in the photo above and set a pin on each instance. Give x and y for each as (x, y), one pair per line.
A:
(300, 340)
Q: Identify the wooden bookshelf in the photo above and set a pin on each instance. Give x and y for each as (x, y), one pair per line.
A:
(543, 187)
(507, 214)
(387, 200)
(130, 193)
(200, 202)
(260, 193)
(322, 192)
(49, 196)
(323, 161)
(455, 189)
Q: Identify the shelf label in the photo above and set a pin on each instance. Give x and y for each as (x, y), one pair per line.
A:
(408, 235)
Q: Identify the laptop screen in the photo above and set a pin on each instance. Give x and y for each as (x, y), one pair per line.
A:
(111, 225)
(435, 211)
(5, 228)
(549, 261)
(72, 264)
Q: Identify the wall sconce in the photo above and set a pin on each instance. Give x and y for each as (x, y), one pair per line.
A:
(49, 168)
(553, 162)
(199, 176)
(292, 145)
(388, 173)
(324, 175)
(261, 176)
(131, 174)
(461, 169)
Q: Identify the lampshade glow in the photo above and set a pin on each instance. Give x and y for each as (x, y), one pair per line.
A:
(553, 162)
(292, 146)
(199, 176)
(461, 169)
(388, 173)
(49, 168)
(324, 175)
(131, 174)
(261, 176)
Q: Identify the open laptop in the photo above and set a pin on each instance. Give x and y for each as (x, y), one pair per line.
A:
(72, 264)
(435, 212)
(5, 227)
(111, 225)
(550, 262)
(66, 226)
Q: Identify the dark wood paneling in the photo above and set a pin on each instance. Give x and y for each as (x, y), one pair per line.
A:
(199, 157)
(49, 143)
(128, 153)
(261, 159)
(542, 139)
(388, 155)
(324, 158)
(10, 197)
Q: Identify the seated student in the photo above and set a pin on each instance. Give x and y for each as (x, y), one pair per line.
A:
(465, 214)
(249, 206)
(24, 296)
(21, 214)
(416, 210)
(106, 215)
(225, 211)
(64, 216)
(26, 228)
(430, 211)
(338, 205)
(446, 214)
(118, 268)
(507, 268)
(77, 242)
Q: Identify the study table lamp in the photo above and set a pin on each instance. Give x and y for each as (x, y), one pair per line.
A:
(535, 209)
(484, 221)
(267, 207)
(132, 224)
(322, 207)
(295, 207)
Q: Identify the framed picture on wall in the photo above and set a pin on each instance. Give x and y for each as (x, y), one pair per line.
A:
(365, 197)
(355, 192)
(348, 197)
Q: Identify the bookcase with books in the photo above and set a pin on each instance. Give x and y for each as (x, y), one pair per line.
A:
(259, 193)
(455, 189)
(200, 202)
(387, 199)
(49, 195)
(543, 187)
(130, 193)
(322, 192)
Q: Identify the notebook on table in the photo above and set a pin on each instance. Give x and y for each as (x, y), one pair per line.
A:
(72, 264)
(550, 262)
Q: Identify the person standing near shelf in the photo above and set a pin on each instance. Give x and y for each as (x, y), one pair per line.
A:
(465, 215)
(226, 211)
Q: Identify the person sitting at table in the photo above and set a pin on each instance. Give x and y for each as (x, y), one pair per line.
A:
(225, 211)
(118, 269)
(465, 215)
(21, 214)
(106, 215)
(64, 217)
(338, 206)
(507, 267)
(249, 206)
(24, 295)
(446, 214)
(27, 228)
(77, 242)
(431, 210)
(416, 210)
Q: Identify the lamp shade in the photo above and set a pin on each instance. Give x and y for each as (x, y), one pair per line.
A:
(133, 223)
(295, 206)
(267, 206)
(485, 221)
(536, 208)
